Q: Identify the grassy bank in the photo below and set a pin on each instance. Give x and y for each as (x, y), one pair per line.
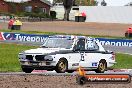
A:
(123, 61)
(9, 58)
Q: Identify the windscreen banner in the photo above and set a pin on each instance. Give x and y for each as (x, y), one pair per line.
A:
(41, 38)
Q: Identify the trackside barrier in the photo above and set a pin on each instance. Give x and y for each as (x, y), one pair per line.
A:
(23, 37)
(84, 77)
(115, 42)
(41, 38)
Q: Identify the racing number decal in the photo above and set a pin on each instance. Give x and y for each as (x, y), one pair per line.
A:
(90, 44)
(82, 57)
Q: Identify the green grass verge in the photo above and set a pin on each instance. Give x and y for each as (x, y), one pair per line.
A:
(55, 33)
(9, 58)
(124, 61)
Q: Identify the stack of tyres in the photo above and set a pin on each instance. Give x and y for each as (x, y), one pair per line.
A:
(17, 25)
(76, 18)
(128, 33)
(79, 19)
(10, 24)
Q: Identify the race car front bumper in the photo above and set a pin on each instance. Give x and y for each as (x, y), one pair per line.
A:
(111, 64)
(39, 67)
(38, 64)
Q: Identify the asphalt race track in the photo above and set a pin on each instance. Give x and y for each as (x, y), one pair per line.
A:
(53, 73)
(119, 49)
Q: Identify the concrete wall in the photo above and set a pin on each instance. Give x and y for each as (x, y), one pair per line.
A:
(108, 14)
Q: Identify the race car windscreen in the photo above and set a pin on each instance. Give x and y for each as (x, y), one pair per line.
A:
(58, 43)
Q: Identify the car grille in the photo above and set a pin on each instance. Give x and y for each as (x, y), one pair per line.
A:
(29, 57)
(39, 57)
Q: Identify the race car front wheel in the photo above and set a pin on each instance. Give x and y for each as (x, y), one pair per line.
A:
(27, 70)
(101, 67)
(61, 66)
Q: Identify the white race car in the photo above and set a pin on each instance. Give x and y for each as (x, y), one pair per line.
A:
(66, 54)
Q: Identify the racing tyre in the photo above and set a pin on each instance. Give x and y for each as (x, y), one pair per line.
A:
(81, 80)
(101, 67)
(61, 66)
(27, 70)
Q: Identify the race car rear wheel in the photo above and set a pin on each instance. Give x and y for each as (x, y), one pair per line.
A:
(61, 66)
(101, 67)
(27, 70)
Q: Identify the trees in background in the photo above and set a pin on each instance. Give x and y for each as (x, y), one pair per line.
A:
(67, 7)
(86, 2)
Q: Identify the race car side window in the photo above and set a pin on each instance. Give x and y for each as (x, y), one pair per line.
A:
(80, 45)
(92, 45)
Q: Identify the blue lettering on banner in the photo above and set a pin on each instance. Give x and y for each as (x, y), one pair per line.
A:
(115, 42)
(25, 37)
(94, 64)
(42, 38)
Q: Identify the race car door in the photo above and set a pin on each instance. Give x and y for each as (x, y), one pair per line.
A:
(90, 55)
(80, 50)
(77, 55)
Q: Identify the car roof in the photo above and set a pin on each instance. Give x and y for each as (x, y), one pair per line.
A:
(71, 37)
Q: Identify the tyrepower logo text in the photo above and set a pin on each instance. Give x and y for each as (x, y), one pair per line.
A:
(30, 38)
(115, 42)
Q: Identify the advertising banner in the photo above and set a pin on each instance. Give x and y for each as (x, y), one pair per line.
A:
(115, 42)
(23, 37)
(41, 38)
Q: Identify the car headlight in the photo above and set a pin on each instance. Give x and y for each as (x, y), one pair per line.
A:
(48, 58)
(22, 55)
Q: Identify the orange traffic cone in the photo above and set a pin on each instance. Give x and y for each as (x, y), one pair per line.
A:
(81, 71)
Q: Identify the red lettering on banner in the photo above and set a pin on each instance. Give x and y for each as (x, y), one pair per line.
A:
(1, 38)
